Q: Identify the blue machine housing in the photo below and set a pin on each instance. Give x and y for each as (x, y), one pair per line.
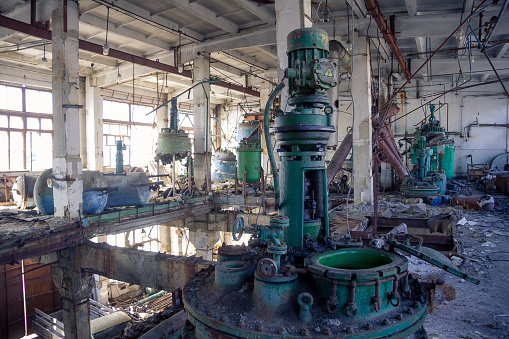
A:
(94, 201)
(132, 189)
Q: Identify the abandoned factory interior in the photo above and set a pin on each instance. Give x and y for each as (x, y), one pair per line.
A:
(254, 169)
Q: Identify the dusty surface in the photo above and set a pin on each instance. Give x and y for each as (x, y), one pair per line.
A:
(473, 311)
(461, 309)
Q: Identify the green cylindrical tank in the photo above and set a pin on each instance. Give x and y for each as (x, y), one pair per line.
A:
(249, 160)
(448, 161)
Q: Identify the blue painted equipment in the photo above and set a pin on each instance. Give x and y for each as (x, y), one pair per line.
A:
(245, 129)
(224, 166)
(132, 189)
(95, 192)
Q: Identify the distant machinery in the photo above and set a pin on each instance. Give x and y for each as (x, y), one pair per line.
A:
(224, 166)
(432, 155)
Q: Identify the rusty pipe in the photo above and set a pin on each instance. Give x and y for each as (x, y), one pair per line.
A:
(339, 157)
(387, 136)
(393, 159)
(374, 10)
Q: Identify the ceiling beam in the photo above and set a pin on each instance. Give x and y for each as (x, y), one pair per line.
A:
(126, 32)
(270, 51)
(142, 14)
(421, 46)
(205, 14)
(89, 8)
(114, 53)
(264, 13)
(502, 50)
(259, 37)
(411, 7)
(358, 8)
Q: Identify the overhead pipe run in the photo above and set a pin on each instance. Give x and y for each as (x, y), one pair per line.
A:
(374, 10)
(337, 51)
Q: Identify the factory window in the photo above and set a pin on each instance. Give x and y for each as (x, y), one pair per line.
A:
(131, 124)
(26, 127)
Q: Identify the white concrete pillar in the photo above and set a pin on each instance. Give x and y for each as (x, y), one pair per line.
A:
(83, 122)
(170, 238)
(67, 168)
(201, 121)
(204, 241)
(162, 116)
(75, 289)
(94, 120)
(362, 138)
(290, 15)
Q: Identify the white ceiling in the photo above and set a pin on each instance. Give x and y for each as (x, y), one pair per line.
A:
(240, 34)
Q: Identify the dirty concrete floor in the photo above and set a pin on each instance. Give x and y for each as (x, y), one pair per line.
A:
(462, 309)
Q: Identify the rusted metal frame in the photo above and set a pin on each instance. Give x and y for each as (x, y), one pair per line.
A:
(436, 242)
(374, 10)
(42, 33)
(388, 102)
(496, 73)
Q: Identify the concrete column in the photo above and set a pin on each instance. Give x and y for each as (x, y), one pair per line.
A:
(75, 289)
(68, 186)
(362, 139)
(201, 118)
(162, 113)
(94, 120)
(290, 15)
(204, 241)
(83, 123)
(170, 238)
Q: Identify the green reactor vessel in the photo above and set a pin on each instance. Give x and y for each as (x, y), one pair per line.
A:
(297, 282)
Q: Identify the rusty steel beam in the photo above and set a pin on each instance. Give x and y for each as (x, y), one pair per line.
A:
(42, 33)
(149, 269)
(42, 242)
(374, 10)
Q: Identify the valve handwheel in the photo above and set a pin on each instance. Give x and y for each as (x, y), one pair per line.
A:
(238, 228)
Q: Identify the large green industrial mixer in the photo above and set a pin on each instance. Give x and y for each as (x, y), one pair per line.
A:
(299, 284)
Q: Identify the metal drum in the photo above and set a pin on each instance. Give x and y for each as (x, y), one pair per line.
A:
(94, 198)
(245, 129)
(249, 160)
(23, 191)
(132, 189)
(224, 166)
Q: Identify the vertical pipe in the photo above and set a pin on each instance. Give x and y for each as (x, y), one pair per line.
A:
(24, 295)
(33, 17)
(266, 131)
(173, 175)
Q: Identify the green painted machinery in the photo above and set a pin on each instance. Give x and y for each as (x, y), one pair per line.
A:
(249, 160)
(302, 135)
(427, 153)
(172, 142)
(295, 281)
